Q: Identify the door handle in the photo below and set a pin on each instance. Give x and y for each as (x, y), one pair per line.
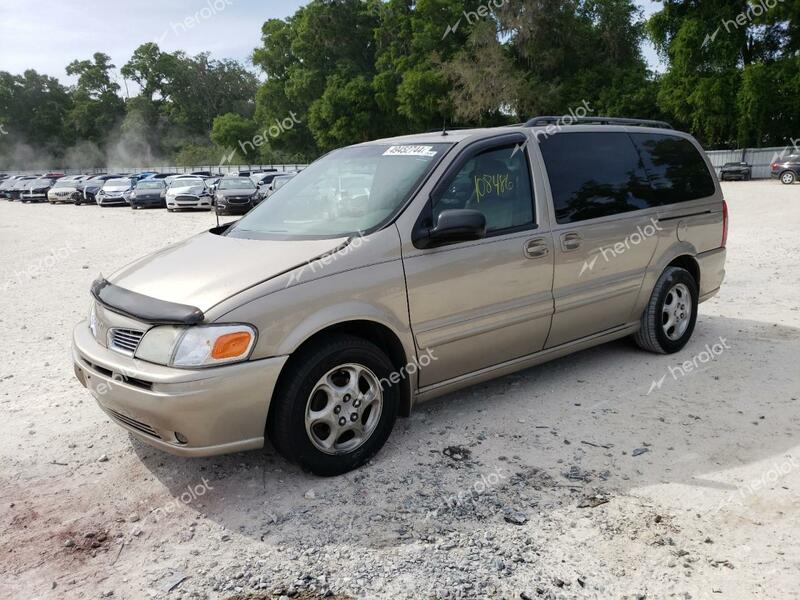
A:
(536, 248)
(570, 241)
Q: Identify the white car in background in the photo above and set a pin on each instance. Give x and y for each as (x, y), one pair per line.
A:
(189, 192)
(115, 192)
(65, 189)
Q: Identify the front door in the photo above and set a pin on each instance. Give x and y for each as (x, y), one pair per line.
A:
(477, 304)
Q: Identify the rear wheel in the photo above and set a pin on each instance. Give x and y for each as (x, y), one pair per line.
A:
(332, 411)
(788, 178)
(669, 319)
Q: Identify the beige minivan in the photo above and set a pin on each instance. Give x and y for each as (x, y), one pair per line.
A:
(395, 271)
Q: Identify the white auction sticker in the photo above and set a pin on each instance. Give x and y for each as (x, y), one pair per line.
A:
(410, 151)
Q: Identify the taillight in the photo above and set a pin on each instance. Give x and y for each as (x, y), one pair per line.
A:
(724, 223)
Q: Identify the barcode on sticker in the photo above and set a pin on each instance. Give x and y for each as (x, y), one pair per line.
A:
(410, 151)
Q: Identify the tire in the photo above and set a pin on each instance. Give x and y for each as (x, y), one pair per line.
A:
(788, 177)
(678, 288)
(299, 439)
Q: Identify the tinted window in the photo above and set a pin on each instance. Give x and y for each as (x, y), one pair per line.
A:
(594, 175)
(495, 183)
(676, 169)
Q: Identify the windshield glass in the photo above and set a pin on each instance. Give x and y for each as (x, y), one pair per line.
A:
(150, 185)
(187, 182)
(117, 183)
(348, 191)
(279, 182)
(42, 182)
(238, 183)
(63, 183)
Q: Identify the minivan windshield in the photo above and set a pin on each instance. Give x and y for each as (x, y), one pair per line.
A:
(347, 191)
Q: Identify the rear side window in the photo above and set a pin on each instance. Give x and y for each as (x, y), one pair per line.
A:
(676, 169)
(594, 175)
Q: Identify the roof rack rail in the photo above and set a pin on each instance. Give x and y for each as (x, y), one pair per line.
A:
(572, 120)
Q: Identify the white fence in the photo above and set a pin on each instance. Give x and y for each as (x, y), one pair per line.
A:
(759, 158)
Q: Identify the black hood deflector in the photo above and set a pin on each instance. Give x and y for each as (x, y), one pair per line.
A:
(144, 308)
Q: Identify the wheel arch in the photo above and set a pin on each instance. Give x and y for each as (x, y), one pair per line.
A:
(373, 331)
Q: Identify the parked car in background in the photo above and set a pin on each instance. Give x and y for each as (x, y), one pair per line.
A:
(149, 193)
(278, 182)
(89, 188)
(787, 169)
(188, 192)
(468, 256)
(38, 189)
(19, 186)
(263, 177)
(8, 185)
(735, 171)
(160, 175)
(115, 192)
(235, 195)
(65, 190)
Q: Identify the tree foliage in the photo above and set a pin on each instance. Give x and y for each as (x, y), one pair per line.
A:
(733, 74)
(338, 72)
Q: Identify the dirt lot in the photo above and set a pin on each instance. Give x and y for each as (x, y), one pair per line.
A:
(569, 480)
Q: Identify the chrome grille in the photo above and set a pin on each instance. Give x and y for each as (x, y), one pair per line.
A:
(124, 340)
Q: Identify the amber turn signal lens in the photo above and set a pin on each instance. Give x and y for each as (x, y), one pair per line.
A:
(231, 345)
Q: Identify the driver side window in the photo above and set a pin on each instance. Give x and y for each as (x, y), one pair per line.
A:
(497, 183)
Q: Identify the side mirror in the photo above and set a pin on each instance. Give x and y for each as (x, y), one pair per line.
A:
(456, 225)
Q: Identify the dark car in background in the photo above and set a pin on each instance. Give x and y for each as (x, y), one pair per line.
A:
(21, 185)
(37, 190)
(235, 195)
(149, 193)
(740, 171)
(88, 189)
(786, 168)
(9, 184)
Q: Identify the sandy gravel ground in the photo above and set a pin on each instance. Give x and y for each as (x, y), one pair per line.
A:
(569, 480)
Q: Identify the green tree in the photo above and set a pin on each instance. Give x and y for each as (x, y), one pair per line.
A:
(236, 132)
(97, 107)
(548, 56)
(733, 74)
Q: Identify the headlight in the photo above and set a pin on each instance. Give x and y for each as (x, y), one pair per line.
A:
(198, 346)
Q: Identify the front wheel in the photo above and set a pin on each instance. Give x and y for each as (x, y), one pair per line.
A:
(668, 321)
(335, 407)
(787, 178)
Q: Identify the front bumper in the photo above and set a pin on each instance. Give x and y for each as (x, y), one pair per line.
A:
(111, 201)
(186, 201)
(217, 410)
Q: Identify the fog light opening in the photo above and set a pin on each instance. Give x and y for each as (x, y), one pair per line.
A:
(181, 439)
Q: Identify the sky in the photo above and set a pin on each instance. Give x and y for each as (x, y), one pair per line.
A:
(48, 34)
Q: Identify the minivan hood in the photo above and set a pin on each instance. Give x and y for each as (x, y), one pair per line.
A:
(206, 269)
